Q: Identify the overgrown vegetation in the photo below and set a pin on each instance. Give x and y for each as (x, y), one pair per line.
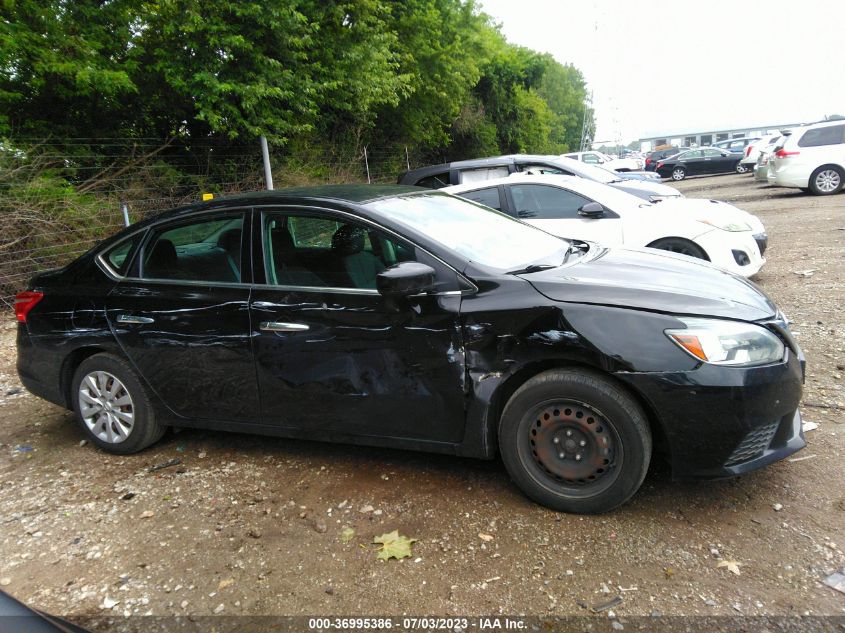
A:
(103, 100)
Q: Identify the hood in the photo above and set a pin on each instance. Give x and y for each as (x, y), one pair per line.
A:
(654, 280)
(713, 210)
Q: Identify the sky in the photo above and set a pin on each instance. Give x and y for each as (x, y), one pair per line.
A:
(697, 65)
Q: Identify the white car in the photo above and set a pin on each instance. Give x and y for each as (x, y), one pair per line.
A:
(761, 168)
(608, 162)
(577, 208)
(811, 158)
(752, 152)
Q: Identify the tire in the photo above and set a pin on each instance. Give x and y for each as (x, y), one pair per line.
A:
(681, 246)
(741, 169)
(574, 412)
(678, 174)
(112, 406)
(827, 180)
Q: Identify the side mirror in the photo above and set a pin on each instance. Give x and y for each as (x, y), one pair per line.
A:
(591, 210)
(405, 279)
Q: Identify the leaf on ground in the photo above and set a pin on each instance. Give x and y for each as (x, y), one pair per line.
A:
(485, 537)
(732, 566)
(225, 583)
(393, 545)
(347, 534)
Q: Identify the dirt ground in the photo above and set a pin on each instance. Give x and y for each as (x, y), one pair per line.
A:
(252, 525)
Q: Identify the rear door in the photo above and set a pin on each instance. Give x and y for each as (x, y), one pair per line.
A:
(333, 356)
(693, 162)
(182, 316)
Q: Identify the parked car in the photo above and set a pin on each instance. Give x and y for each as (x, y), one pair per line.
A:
(577, 208)
(736, 145)
(392, 316)
(465, 171)
(761, 168)
(608, 162)
(16, 617)
(811, 158)
(649, 176)
(652, 158)
(752, 150)
(698, 162)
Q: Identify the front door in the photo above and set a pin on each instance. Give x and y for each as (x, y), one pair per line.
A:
(182, 317)
(333, 356)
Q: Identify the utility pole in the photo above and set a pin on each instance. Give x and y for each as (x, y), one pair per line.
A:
(265, 154)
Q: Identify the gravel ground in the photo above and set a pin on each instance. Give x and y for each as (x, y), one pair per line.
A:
(252, 525)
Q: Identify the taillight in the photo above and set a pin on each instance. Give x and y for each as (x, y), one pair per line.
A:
(26, 301)
(659, 165)
(748, 151)
(648, 161)
(782, 153)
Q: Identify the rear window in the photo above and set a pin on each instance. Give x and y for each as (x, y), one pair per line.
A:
(488, 197)
(829, 135)
(435, 181)
(118, 256)
(484, 173)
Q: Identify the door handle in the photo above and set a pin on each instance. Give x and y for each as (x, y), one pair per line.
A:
(276, 326)
(132, 319)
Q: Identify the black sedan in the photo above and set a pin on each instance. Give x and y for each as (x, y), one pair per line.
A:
(409, 318)
(699, 162)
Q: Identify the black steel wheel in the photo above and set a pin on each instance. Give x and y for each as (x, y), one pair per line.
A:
(679, 245)
(575, 441)
(112, 406)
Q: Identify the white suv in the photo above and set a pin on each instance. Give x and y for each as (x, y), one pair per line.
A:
(812, 158)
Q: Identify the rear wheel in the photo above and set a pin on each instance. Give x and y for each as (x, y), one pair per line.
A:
(679, 245)
(574, 441)
(741, 169)
(112, 406)
(679, 173)
(826, 180)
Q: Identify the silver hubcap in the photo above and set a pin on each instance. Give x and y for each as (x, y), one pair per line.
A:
(106, 407)
(828, 180)
(678, 174)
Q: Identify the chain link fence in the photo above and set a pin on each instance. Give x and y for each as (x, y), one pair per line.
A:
(59, 198)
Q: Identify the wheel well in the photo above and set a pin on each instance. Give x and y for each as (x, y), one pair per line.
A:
(838, 168)
(680, 239)
(73, 360)
(506, 390)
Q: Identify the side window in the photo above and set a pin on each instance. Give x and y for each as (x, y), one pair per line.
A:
(546, 169)
(118, 256)
(488, 197)
(690, 155)
(544, 202)
(592, 159)
(312, 251)
(435, 181)
(485, 173)
(830, 135)
(711, 153)
(206, 250)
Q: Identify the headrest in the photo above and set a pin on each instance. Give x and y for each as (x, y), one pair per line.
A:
(163, 255)
(348, 240)
(230, 241)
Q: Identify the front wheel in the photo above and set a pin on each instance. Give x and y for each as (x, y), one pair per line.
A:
(112, 406)
(679, 173)
(574, 441)
(679, 245)
(826, 180)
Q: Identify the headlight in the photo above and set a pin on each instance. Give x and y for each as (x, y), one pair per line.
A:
(733, 227)
(727, 342)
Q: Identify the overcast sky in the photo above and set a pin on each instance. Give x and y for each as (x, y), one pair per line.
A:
(697, 65)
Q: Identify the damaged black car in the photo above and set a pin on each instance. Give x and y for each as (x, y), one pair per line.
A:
(409, 318)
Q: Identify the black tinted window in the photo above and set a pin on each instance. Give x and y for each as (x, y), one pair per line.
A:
(544, 202)
(488, 197)
(435, 181)
(830, 135)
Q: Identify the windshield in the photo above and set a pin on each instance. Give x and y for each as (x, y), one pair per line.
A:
(599, 174)
(480, 234)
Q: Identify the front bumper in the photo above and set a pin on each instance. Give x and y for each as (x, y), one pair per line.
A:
(738, 252)
(725, 421)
